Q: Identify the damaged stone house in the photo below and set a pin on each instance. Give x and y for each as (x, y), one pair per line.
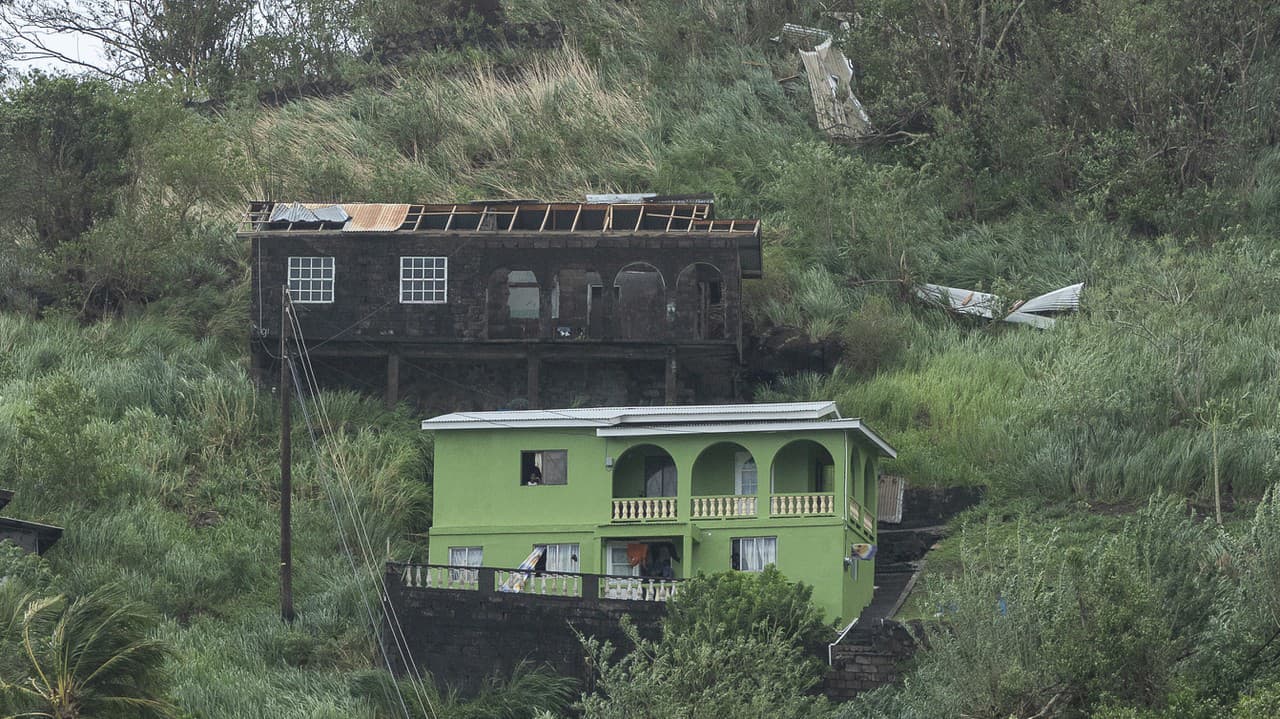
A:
(625, 299)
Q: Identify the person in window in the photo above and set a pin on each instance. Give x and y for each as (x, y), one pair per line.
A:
(535, 476)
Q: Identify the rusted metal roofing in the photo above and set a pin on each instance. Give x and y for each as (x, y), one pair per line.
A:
(375, 218)
(692, 215)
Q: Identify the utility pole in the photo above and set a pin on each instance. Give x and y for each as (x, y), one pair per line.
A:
(286, 461)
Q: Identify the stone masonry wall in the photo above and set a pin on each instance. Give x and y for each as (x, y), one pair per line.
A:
(462, 637)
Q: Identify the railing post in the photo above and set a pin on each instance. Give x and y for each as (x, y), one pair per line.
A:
(485, 580)
(590, 586)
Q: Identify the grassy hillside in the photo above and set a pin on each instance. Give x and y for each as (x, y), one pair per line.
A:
(1022, 147)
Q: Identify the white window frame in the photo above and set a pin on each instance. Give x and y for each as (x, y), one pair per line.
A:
(755, 549)
(616, 547)
(424, 280)
(465, 557)
(562, 558)
(744, 469)
(308, 287)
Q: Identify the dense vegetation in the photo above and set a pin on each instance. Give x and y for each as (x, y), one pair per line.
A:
(1021, 146)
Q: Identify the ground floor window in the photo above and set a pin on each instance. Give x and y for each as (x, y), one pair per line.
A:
(558, 558)
(752, 554)
(465, 557)
(620, 561)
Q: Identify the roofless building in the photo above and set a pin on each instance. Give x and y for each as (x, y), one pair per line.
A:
(619, 300)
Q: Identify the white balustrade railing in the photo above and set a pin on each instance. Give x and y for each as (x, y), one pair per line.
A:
(859, 515)
(436, 577)
(724, 506)
(801, 505)
(544, 583)
(523, 581)
(637, 588)
(644, 509)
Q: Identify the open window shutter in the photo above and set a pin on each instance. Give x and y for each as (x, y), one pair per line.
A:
(555, 467)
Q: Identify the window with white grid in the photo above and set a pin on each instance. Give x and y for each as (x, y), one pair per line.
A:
(424, 279)
(311, 279)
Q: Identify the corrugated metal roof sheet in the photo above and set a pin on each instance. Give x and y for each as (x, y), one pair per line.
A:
(889, 498)
(659, 421)
(815, 425)
(375, 217)
(610, 416)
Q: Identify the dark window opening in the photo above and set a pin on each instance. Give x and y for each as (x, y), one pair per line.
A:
(548, 466)
(715, 293)
(660, 476)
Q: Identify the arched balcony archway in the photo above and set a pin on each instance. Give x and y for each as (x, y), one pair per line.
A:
(645, 483)
(725, 481)
(514, 304)
(640, 302)
(802, 480)
(700, 303)
(577, 304)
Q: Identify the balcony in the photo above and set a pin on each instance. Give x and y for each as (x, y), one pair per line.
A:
(724, 506)
(803, 504)
(490, 580)
(644, 509)
(859, 516)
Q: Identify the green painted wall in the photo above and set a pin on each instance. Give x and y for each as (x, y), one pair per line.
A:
(715, 469)
(479, 501)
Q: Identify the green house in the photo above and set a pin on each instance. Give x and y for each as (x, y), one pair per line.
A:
(643, 496)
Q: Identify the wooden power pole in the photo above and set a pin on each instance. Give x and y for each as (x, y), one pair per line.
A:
(286, 462)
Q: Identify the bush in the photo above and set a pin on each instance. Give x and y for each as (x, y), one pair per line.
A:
(760, 605)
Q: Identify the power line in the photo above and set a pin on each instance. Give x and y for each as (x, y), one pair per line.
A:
(362, 540)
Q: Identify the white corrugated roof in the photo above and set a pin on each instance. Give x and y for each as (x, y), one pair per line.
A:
(739, 427)
(658, 421)
(611, 416)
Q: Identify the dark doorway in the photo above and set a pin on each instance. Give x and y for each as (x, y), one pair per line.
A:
(659, 477)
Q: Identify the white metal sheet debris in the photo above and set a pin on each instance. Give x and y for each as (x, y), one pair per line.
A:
(989, 306)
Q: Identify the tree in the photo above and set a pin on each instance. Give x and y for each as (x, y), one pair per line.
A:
(91, 656)
(760, 605)
(64, 145)
(141, 39)
(693, 677)
(734, 645)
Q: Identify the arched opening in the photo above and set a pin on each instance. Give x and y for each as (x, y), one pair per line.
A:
(700, 303)
(514, 304)
(870, 485)
(644, 484)
(725, 480)
(640, 302)
(577, 304)
(802, 480)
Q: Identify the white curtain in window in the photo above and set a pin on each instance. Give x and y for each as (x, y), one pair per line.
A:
(562, 558)
(755, 553)
(465, 557)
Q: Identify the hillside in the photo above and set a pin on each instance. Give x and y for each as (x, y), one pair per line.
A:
(1020, 147)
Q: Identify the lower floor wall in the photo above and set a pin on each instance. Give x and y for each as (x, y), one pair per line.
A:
(461, 638)
(815, 554)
